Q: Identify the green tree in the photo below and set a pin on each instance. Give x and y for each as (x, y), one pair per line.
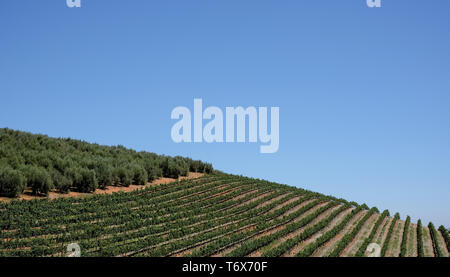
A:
(104, 174)
(152, 169)
(139, 174)
(122, 177)
(65, 161)
(38, 179)
(62, 183)
(87, 182)
(12, 182)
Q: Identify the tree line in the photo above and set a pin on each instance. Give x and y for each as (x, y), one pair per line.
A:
(42, 164)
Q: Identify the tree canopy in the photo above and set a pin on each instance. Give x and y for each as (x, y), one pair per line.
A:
(43, 163)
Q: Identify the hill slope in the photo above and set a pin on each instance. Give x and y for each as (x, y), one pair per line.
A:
(214, 215)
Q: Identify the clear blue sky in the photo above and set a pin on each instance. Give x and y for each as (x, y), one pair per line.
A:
(364, 94)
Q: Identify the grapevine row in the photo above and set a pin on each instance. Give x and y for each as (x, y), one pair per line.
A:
(350, 236)
(389, 235)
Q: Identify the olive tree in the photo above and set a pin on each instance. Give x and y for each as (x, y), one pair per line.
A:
(12, 182)
(38, 179)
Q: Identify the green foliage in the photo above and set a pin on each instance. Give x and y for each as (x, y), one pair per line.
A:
(364, 207)
(152, 169)
(445, 234)
(87, 182)
(247, 247)
(389, 234)
(122, 177)
(174, 168)
(104, 174)
(67, 164)
(350, 236)
(138, 174)
(61, 182)
(310, 248)
(215, 214)
(405, 237)
(369, 240)
(420, 251)
(198, 166)
(434, 238)
(38, 179)
(12, 182)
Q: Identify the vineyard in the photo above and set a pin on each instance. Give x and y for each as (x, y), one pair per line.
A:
(215, 215)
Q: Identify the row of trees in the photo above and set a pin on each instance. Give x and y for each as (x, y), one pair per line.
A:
(43, 163)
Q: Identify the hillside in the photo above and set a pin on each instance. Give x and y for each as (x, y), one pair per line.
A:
(43, 164)
(213, 215)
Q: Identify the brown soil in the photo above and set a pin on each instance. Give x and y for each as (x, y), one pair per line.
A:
(246, 229)
(189, 251)
(380, 230)
(296, 208)
(163, 234)
(329, 246)
(288, 203)
(395, 242)
(259, 252)
(427, 243)
(411, 247)
(384, 231)
(266, 203)
(27, 195)
(362, 235)
(270, 231)
(292, 252)
(442, 245)
(259, 197)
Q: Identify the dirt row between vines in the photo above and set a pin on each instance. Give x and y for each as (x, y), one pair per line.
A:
(394, 246)
(361, 237)
(383, 231)
(329, 246)
(292, 252)
(427, 243)
(276, 243)
(191, 225)
(271, 231)
(191, 250)
(134, 230)
(411, 246)
(442, 244)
